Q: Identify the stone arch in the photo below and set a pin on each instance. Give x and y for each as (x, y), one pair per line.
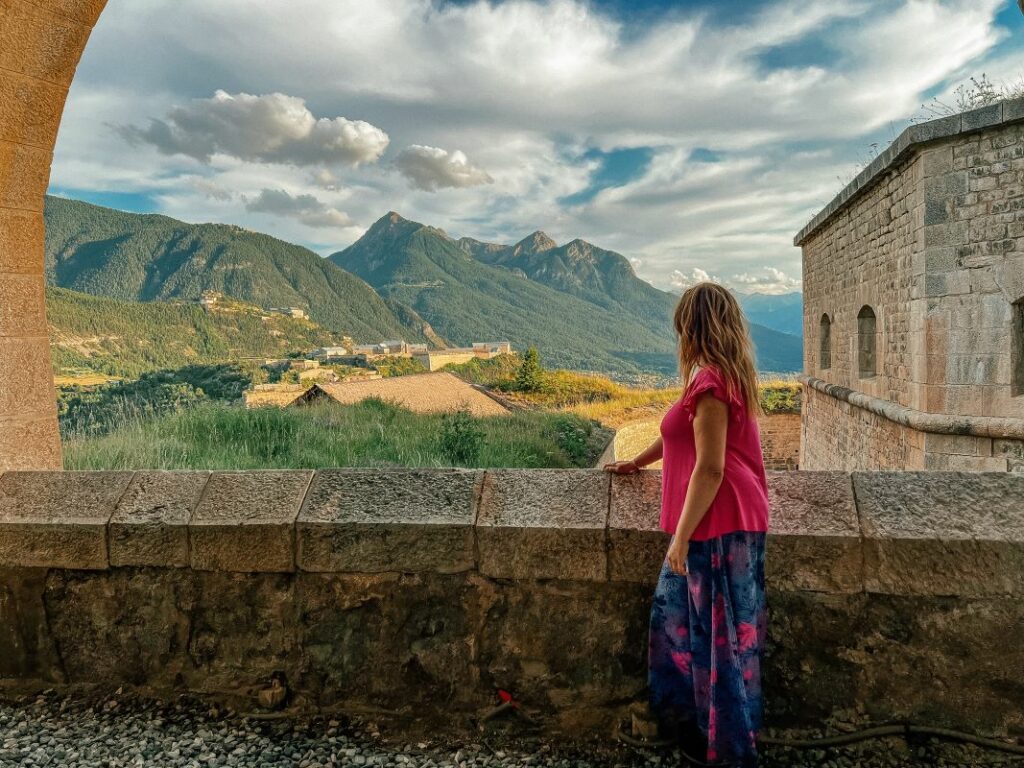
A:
(825, 342)
(43, 41)
(867, 343)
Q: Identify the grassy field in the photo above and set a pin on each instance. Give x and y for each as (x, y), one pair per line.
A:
(371, 433)
(599, 398)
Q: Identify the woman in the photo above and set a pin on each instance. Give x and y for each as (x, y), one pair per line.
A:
(709, 615)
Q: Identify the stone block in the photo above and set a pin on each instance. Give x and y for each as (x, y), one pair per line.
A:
(942, 235)
(43, 44)
(1013, 110)
(815, 536)
(936, 162)
(636, 543)
(371, 520)
(246, 521)
(27, 649)
(24, 175)
(942, 533)
(30, 110)
(21, 242)
(933, 129)
(26, 378)
(544, 524)
(85, 11)
(150, 525)
(32, 443)
(982, 117)
(22, 306)
(57, 519)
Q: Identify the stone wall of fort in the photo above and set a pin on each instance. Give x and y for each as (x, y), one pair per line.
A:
(424, 591)
(930, 236)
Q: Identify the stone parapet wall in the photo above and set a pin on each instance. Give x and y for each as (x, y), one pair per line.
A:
(892, 595)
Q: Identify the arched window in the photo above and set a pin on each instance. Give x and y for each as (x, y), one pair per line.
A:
(867, 362)
(825, 343)
(1017, 347)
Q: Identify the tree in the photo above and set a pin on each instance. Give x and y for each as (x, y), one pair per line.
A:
(530, 376)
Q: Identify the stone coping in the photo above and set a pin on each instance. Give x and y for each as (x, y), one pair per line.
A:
(1001, 113)
(936, 423)
(935, 533)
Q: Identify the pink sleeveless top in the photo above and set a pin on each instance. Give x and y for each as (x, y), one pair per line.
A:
(742, 500)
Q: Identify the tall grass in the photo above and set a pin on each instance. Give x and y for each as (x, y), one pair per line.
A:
(370, 433)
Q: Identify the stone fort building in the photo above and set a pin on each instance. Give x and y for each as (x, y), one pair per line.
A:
(914, 304)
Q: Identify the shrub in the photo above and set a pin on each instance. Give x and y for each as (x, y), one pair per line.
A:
(461, 439)
(530, 377)
(573, 436)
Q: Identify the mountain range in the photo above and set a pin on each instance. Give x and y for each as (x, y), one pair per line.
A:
(583, 307)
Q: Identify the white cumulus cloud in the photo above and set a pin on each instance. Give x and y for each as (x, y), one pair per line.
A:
(771, 280)
(431, 168)
(305, 208)
(272, 128)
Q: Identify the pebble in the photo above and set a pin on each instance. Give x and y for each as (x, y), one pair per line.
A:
(128, 730)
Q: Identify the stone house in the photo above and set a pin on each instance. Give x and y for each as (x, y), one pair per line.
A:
(914, 304)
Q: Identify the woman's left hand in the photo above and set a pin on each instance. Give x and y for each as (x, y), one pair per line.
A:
(677, 552)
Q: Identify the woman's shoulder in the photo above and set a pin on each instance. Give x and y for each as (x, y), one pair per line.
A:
(709, 380)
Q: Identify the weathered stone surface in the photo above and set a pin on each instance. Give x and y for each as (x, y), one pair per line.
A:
(245, 521)
(42, 44)
(543, 524)
(22, 306)
(244, 627)
(26, 378)
(553, 670)
(637, 545)
(393, 640)
(27, 650)
(150, 524)
(57, 519)
(21, 242)
(815, 536)
(30, 110)
(131, 627)
(370, 520)
(942, 533)
(24, 175)
(32, 443)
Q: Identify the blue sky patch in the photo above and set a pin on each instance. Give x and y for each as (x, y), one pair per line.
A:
(133, 202)
(618, 167)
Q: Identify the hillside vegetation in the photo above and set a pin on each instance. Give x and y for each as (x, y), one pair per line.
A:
(136, 257)
(127, 339)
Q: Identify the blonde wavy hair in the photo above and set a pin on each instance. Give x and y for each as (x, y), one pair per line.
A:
(713, 332)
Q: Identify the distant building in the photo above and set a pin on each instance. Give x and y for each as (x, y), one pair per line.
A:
(324, 354)
(295, 312)
(436, 359)
(209, 299)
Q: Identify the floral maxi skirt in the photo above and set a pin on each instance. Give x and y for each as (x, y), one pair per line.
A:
(706, 636)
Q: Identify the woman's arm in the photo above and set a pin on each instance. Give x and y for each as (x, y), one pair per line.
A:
(710, 423)
(649, 455)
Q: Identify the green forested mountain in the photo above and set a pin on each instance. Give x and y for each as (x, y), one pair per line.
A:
(467, 300)
(136, 257)
(582, 306)
(123, 338)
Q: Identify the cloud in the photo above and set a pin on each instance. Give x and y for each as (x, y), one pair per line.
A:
(305, 208)
(772, 280)
(680, 281)
(431, 168)
(212, 190)
(273, 128)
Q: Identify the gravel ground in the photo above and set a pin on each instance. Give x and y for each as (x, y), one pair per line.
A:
(121, 730)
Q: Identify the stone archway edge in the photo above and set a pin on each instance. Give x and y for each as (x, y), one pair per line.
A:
(936, 423)
(899, 533)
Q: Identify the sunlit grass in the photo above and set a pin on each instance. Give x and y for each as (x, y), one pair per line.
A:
(371, 433)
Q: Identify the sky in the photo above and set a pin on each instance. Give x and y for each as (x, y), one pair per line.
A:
(694, 137)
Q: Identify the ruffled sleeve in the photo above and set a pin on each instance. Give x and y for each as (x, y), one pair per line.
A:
(709, 380)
